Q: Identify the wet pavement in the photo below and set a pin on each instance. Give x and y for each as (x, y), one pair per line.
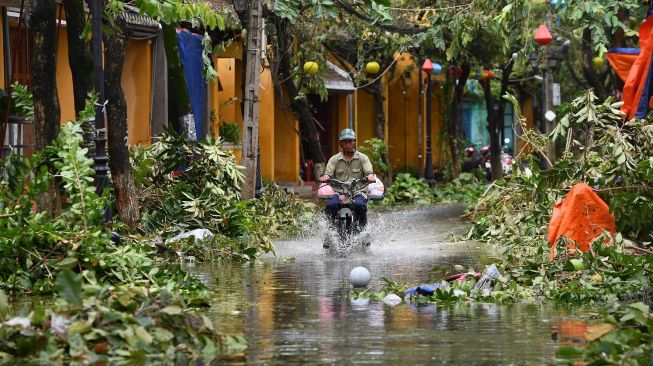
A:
(295, 307)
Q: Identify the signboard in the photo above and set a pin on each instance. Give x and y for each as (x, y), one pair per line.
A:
(555, 94)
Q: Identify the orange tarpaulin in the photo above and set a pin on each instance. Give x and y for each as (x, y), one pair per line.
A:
(636, 92)
(622, 62)
(581, 216)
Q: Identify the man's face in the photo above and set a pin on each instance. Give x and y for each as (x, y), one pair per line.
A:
(348, 146)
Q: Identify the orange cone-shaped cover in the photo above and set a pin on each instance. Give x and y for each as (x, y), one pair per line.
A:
(581, 216)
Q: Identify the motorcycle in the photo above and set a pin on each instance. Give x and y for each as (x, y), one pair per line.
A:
(481, 159)
(347, 230)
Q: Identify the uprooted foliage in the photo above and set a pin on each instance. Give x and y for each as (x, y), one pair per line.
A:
(35, 246)
(615, 158)
(185, 185)
(95, 324)
(407, 189)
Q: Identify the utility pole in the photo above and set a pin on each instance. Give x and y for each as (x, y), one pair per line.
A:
(251, 105)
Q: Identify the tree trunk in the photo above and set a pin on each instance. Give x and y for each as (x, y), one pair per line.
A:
(178, 100)
(80, 61)
(453, 124)
(115, 46)
(493, 127)
(44, 88)
(495, 119)
(307, 130)
(587, 65)
(46, 103)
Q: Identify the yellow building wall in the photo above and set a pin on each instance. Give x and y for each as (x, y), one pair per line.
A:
(403, 99)
(136, 83)
(64, 78)
(226, 68)
(365, 121)
(266, 125)
(286, 144)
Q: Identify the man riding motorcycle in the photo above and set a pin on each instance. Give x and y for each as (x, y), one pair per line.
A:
(347, 166)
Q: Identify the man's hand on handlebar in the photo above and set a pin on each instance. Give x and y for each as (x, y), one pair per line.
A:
(371, 178)
(324, 178)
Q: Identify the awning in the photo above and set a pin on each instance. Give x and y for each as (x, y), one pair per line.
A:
(338, 80)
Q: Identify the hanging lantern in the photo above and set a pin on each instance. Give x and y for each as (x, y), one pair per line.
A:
(437, 68)
(311, 68)
(427, 66)
(542, 35)
(372, 67)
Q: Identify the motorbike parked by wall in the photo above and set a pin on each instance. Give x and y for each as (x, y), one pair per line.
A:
(481, 159)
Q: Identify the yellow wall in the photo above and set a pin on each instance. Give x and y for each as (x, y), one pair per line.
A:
(64, 78)
(365, 121)
(403, 99)
(266, 125)
(286, 144)
(226, 68)
(136, 83)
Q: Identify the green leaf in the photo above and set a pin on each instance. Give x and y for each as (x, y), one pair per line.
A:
(4, 305)
(641, 307)
(172, 310)
(69, 287)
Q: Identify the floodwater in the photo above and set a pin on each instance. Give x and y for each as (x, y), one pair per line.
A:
(296, 308)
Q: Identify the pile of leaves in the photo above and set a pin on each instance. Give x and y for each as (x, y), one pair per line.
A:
(185, 185)
(615, 158)
(102, 325)
(467, 188)
(625, 337)
(599, 149)
(407, 189)
(34, 245)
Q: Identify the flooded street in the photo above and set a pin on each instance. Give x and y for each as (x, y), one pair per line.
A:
(295, 308)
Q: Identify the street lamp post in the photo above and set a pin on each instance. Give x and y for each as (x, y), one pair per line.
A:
(427, 67)
(100, 160)
(550, 89)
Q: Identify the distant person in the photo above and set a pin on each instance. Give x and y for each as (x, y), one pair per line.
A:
(346, 166)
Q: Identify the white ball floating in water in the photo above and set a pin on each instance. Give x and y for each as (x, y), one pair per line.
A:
(359, 277)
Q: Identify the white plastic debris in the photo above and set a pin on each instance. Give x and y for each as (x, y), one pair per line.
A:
(486, 281)
(459, 293)
(199, 234)
(22, 321)
(392, 300)
(58, 324)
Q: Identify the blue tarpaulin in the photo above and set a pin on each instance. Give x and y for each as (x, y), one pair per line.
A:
(190, 52)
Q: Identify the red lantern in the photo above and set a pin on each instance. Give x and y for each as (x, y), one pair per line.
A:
(427, 66)
(542, 35)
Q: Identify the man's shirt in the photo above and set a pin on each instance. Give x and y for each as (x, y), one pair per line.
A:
(345, 171)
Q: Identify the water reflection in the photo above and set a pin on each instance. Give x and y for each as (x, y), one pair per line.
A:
(296, 308)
